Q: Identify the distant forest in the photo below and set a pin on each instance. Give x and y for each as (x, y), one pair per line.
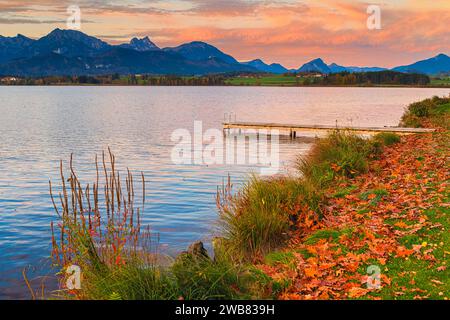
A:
(118, 80)
(380, 78)
(304, 79)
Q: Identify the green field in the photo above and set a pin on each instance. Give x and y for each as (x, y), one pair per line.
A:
(440, 81)
(292, 80)
(268, 80)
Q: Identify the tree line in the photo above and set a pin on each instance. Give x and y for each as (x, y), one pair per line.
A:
(370, 78)
(117, 79)
(338, 79)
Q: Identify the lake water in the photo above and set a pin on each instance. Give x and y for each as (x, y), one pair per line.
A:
(41, 125)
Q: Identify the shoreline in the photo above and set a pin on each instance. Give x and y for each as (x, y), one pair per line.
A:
(248, 86)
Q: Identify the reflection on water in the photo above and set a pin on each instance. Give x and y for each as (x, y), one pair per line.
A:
(41, 125)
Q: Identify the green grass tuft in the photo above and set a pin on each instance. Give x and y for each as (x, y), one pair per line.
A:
(326, 234)
(341, 154)
(200, 278)
(278, 257)
(257, 219)
(387, 138)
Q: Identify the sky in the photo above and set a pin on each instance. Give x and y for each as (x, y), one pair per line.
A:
(289, 32)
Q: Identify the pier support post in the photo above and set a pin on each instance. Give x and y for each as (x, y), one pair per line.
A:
(292, 134)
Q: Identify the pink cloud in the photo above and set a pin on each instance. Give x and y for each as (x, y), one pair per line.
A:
(289, 32)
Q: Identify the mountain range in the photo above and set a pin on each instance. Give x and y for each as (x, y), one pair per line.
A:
(263, 67)
(71, 52)
(144, 44)
(435, 65)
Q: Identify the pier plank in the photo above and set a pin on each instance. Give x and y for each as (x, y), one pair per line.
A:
(299, 127)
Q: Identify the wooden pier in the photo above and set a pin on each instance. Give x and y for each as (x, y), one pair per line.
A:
(292, 129)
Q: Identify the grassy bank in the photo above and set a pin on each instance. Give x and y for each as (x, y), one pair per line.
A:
(376, 203)
(387, 226)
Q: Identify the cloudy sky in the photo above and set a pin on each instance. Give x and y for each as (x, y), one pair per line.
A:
(287, 31)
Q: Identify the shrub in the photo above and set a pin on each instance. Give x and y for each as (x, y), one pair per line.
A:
(387, 138)
(189, 277)
(200, 278)
(418, 111)
(422, 108)
(341, 154)
(257, 219)
(133, 281)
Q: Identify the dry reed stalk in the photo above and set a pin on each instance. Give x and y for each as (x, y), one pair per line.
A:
(89, 236)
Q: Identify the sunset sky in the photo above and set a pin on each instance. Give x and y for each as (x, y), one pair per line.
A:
(285, 31)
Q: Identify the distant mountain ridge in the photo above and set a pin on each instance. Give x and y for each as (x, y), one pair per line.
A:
(198, 50)
(71, 52)
(264, 67)
(69, 43)
(144, 44)
(337, 68)
(116, 60)
(435, 65)
(316, 65)
(11, 47)
(432, 66)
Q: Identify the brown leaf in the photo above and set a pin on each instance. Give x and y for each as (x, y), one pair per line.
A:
(310, 272)
(357, 292)
(441, 268)
(404, 252)
(401, 224)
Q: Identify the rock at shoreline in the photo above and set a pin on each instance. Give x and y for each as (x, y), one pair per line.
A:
(197, 249)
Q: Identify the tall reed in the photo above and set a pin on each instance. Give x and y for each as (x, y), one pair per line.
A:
(99, 226)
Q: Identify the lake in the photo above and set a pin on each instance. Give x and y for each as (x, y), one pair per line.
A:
(39, 126)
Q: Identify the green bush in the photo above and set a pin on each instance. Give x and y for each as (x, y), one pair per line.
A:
(200, 278)
(134, 281)
(257, 219)
(387, 138)
(341, 154)
(421, 109)
(442, 109)
(418, 111)
(189, 277)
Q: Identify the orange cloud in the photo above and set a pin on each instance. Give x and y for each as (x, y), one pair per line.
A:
(286, 31)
